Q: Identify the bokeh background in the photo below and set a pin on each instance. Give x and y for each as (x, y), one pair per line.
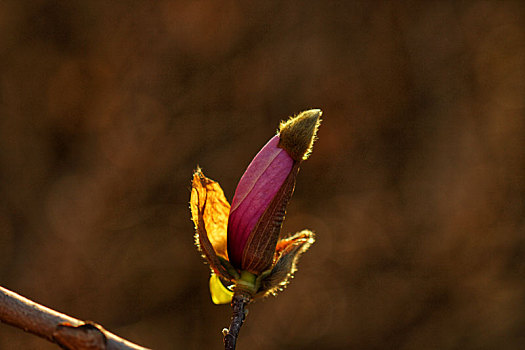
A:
(416, 186)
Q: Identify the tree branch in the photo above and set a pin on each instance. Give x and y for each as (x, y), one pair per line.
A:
(68, 332)
(239, 302)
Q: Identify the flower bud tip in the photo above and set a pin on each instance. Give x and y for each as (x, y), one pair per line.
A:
(297, 134)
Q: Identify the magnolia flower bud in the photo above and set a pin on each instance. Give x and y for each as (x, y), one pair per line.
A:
(242, 244)
(260, 184)
(260, 200)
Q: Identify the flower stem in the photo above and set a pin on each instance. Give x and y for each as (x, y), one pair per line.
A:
(239, 302)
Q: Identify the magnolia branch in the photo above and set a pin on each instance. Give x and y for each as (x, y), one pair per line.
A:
(239, 303)
(68, 332)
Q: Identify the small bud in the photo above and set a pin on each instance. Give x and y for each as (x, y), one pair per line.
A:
(298, 133)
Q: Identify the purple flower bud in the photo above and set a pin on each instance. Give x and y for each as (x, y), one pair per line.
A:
(242, 244)
(260, 200)
(257, 187)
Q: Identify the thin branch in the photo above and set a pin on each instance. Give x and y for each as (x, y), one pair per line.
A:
(239, 302)
(66, 331)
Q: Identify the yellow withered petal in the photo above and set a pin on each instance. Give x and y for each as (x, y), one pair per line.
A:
(219, 293)
(208, 202)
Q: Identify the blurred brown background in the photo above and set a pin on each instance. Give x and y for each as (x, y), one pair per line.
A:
(416, 186)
